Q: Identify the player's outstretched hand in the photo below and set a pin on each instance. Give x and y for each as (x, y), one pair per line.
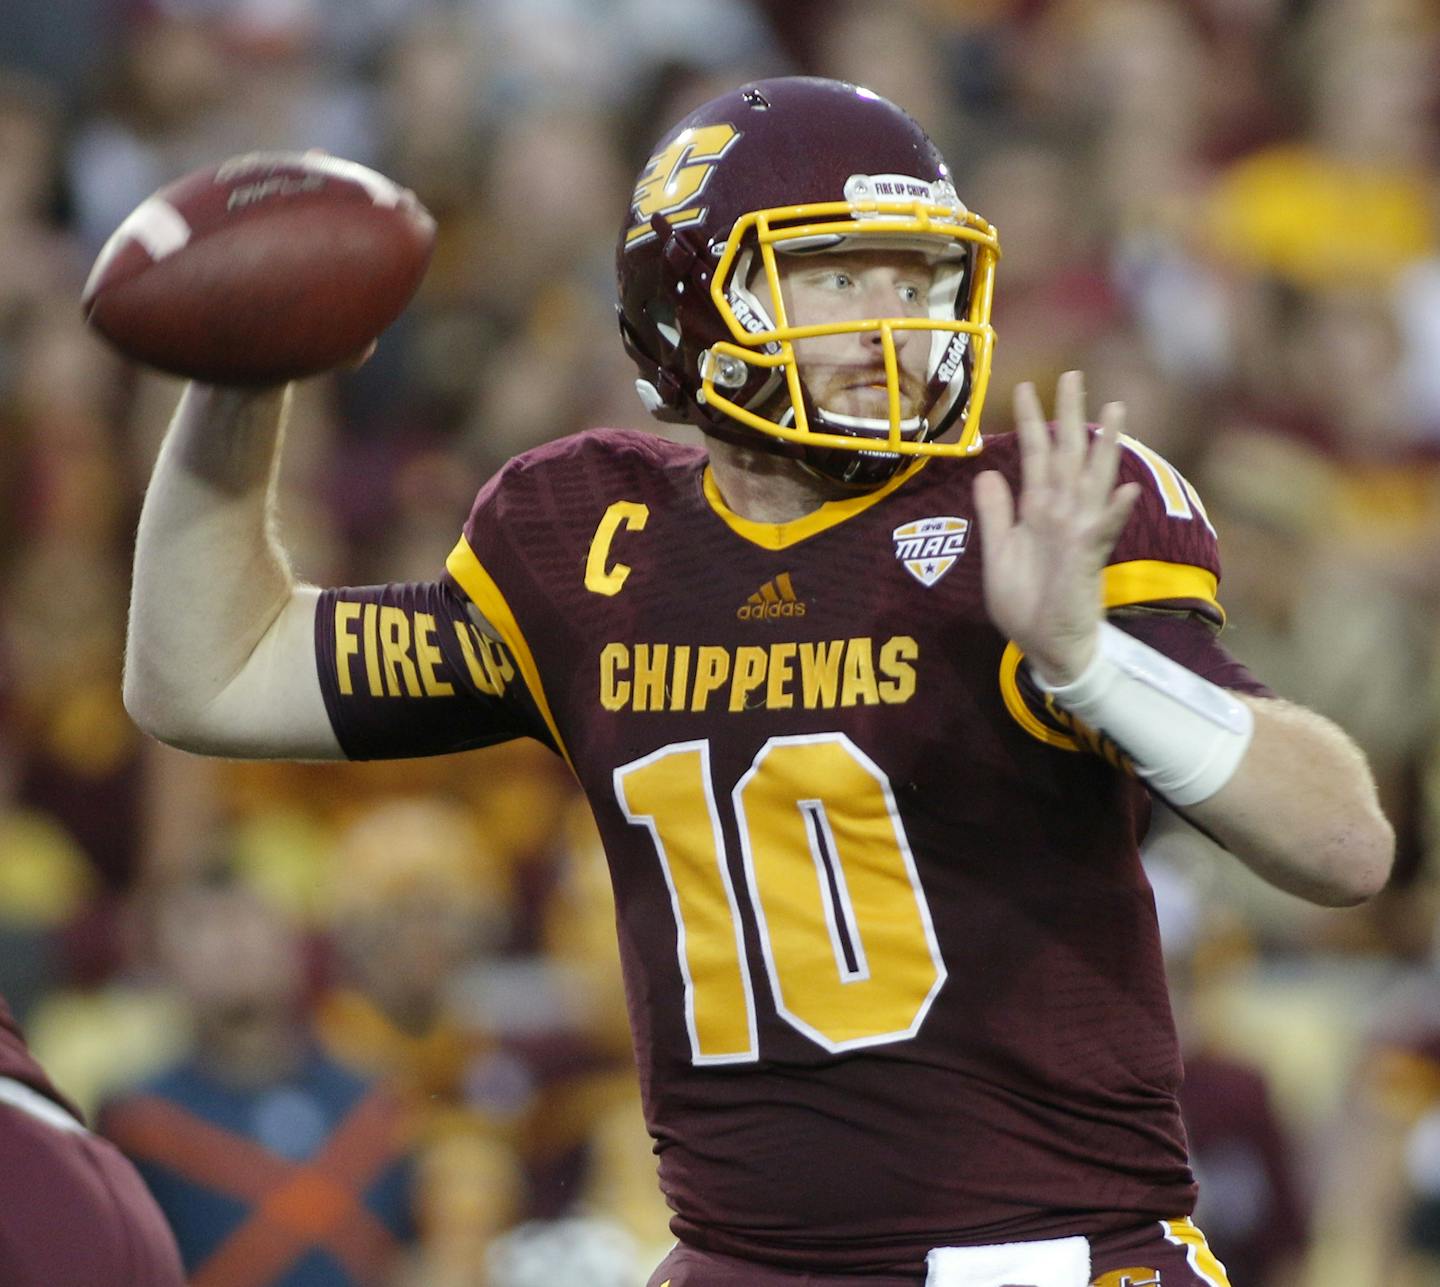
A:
(1043, 558)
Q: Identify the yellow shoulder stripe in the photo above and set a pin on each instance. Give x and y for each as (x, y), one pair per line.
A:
(1151, 581)
(1122, 584)
(466, 568)
(777, 536)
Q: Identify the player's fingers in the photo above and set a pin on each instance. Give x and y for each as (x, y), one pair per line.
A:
(1117, 513)
(1034, 436)
(1071, 437)
(994, 508)
(1103, 464)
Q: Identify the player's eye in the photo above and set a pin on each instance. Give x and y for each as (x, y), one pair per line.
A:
(910, 294)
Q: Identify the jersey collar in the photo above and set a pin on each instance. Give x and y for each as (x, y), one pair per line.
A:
(777, 536)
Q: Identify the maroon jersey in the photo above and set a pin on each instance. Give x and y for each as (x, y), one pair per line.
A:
(892, 963)
(72, 1209)
(18, 1063)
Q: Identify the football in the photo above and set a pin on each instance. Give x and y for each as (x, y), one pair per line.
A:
(268, 267)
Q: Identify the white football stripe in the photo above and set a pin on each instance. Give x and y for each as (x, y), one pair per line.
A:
(157, 226)
(382, 191)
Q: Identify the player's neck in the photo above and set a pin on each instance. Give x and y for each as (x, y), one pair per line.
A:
(766, 488)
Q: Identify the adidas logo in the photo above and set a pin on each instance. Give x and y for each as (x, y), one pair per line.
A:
(772, 600)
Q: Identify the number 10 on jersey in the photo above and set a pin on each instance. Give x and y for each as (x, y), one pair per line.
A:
(846, 933)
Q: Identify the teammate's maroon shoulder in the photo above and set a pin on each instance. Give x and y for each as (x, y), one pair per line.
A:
(18, 1063)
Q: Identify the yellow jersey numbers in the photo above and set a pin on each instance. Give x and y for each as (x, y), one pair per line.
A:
(1181, 499)
(850, 950)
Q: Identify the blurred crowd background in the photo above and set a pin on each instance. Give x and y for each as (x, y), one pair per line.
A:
(363, 1023)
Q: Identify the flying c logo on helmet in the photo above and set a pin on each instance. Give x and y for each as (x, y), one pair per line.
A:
(676, 176)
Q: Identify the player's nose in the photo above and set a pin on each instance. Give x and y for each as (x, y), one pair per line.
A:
(873, 340)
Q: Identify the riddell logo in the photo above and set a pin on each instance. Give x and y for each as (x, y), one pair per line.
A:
(771, 601)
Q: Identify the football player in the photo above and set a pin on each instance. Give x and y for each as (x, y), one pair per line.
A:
(867, 712)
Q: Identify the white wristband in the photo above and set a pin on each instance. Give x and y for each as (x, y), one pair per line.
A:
(1185, 735)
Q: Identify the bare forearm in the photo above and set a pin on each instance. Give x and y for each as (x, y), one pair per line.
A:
(1301, 810)
(210, 577)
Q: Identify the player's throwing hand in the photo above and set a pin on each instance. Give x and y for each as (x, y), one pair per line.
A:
(1042, 568)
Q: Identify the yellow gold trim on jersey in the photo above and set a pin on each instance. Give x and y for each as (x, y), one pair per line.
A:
(1207, 1266)
(472, 577)
(779, 536)
(1020, 711)
(1152, 580)
(1122, 585)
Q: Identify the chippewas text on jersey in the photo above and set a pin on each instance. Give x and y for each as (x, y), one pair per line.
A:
(819, 675)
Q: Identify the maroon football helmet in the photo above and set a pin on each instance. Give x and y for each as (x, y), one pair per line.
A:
(802, 166)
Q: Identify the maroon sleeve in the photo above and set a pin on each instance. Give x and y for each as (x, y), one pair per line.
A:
(1193, 642)
(406, 672)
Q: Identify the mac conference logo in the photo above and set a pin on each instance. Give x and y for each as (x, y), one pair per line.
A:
(929, 547)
